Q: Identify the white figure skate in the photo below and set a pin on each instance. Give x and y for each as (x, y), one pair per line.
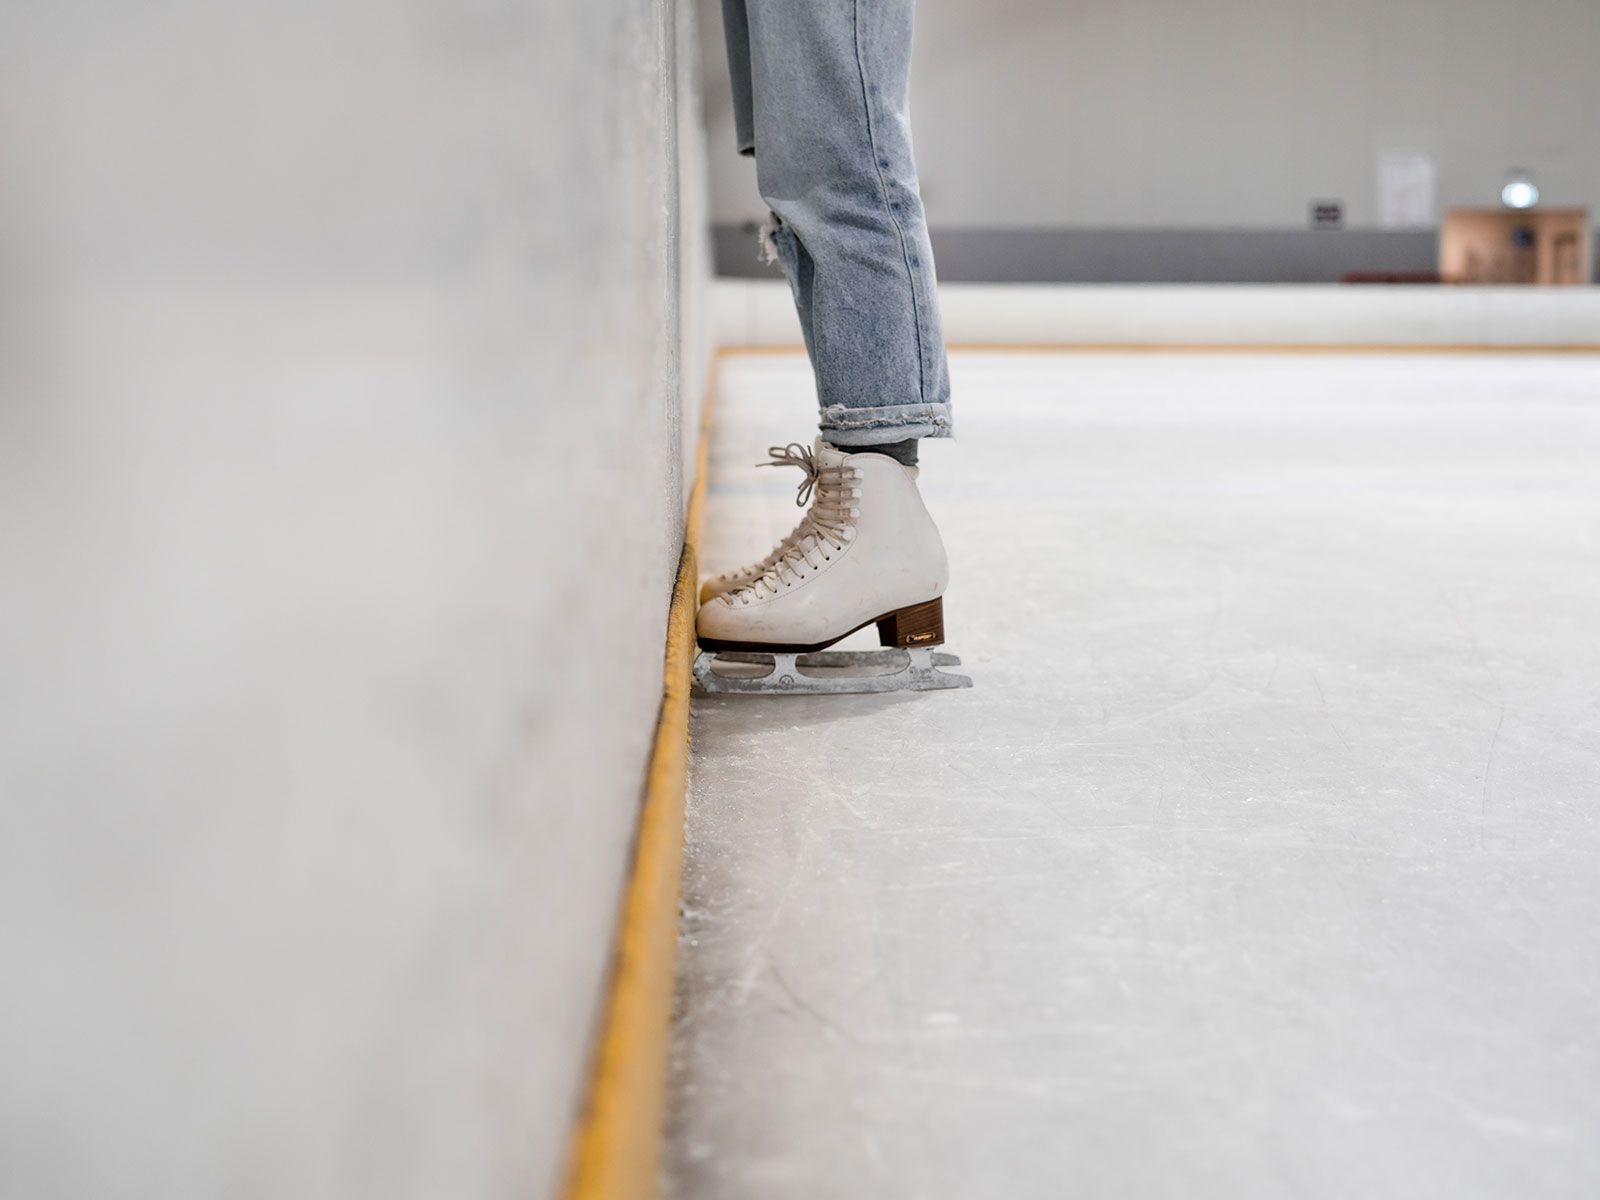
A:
(866, 553)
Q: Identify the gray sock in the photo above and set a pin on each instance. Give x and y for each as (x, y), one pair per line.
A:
(904, 453)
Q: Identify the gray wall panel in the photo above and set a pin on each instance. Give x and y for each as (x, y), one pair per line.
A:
(1138, 255)
(341, 353)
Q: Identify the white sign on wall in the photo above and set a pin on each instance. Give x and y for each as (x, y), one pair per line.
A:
(1407, 186)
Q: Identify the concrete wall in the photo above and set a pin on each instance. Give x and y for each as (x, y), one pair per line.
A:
(1167, 115)
(342, 360)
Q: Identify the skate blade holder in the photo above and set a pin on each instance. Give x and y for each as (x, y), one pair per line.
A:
(825, 672)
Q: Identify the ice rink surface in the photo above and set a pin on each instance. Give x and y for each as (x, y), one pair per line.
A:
(1262, 860)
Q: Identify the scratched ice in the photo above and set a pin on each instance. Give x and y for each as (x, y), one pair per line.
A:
(1263, 858)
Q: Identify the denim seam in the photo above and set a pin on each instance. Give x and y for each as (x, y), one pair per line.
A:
(888, 209)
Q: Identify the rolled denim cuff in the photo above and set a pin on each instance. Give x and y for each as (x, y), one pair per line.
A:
(843, 426)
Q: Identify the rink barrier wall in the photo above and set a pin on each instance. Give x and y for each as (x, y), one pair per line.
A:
(616, 1149)
(747, 313)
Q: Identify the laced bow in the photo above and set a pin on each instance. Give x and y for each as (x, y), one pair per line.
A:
(796, 455)
(824, 531)
(792, 455)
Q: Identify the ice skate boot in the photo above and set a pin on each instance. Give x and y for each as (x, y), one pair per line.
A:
(866, 553)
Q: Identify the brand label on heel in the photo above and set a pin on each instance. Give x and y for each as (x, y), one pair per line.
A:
(919, 637)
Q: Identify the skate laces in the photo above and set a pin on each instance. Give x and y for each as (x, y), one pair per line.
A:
(824, 531)
(756, 568)
(792, 455)
(796, 455)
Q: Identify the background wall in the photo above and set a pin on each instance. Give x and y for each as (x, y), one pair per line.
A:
(342, 360)
(1164, 115)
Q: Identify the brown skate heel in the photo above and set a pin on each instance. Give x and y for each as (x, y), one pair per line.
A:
(919, 625)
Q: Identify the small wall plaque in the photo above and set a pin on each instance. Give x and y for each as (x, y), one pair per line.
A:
(1327, 214)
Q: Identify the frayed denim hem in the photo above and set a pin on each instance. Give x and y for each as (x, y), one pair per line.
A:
(843, 426)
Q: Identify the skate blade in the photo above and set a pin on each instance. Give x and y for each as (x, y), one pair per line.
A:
(825, 672)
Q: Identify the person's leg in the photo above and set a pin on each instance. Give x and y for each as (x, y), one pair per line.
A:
(821, 90)
(820, 96)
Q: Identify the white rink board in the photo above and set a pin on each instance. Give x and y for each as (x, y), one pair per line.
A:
(1260, 861)
(749, 312)
(341, 505)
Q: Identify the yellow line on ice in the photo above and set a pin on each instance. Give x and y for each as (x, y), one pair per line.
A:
(616, 1150)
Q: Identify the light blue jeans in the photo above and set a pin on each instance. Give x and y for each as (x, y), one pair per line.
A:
(820, 96)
